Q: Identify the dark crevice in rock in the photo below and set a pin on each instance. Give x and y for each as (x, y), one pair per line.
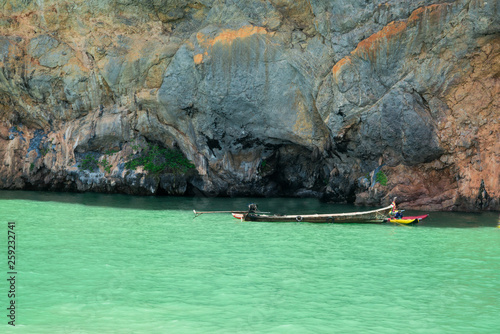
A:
(483, 198)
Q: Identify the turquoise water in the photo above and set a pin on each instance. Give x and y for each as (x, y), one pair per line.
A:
(90, 263)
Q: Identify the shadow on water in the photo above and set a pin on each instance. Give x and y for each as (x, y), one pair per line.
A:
(273, 205)
(461, 219)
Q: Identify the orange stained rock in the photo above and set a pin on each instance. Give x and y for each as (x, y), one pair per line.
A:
(416, 15)
(228, 36)
(198, 59)
(339, 64)
(369, 47)
(395, 28)
(389, 31)
(433, 10)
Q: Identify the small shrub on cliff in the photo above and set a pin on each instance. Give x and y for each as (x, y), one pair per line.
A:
(381, 178)
(112, 151)
(44, 151)
(158, 160)
(264, 167)
(89, 163)
(106, 165)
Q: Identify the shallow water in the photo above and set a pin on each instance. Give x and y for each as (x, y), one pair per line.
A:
(93, 263)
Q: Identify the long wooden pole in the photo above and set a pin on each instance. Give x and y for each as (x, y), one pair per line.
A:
(197, 213)
(202, 212)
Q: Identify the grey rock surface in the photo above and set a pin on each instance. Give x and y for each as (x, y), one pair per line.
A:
(273, 98)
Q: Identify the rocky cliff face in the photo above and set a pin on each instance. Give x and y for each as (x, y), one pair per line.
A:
(346, 100)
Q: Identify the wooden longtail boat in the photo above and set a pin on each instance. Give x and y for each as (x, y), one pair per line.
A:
(388, 214)
(373, 216)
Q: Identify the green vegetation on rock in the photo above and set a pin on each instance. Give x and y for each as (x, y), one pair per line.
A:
(263, 167)
(89, 163)
(381, 178)
(106, 165)
(111, 152)
(156, 160)
(44, 151)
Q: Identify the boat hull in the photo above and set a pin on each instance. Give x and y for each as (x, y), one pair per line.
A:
(407, 220)
(403, 221)
(367, 217)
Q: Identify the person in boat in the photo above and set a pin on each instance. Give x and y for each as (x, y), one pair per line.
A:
(252, 208)
(396, 213)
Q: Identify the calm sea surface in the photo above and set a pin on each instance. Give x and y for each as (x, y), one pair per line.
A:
(91, 263)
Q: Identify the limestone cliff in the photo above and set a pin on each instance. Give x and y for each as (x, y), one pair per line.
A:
(345, 100)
